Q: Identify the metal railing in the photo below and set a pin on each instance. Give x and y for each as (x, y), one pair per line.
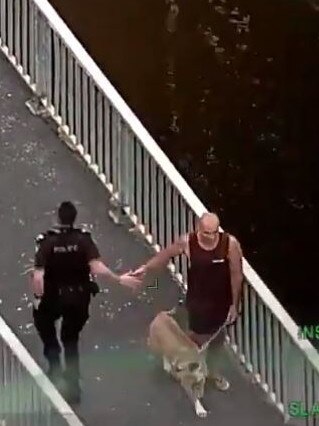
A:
(27, 397)
(116, 146)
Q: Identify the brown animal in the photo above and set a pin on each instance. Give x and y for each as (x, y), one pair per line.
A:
(181, 357)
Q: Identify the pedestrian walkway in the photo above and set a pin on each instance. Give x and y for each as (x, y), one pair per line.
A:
(123, 385)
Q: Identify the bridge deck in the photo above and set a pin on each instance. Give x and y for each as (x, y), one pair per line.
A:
(122, 383)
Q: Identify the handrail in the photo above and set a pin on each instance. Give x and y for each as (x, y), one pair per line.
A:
(27, 362)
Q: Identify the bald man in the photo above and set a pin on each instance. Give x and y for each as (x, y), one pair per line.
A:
(214, 283)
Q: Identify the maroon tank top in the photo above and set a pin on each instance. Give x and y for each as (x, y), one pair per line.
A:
(209, 286)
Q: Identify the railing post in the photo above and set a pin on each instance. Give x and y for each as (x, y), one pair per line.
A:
(120, 160)
(37, 104)
(41, 54)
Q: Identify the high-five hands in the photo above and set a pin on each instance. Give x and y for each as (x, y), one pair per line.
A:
(134, 279)
(139, 272)
(130, 281)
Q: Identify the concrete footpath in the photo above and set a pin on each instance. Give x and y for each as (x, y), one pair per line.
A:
(123, 385)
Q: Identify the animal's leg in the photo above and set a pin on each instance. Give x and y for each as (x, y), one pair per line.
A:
(199, 409)
(167, 365)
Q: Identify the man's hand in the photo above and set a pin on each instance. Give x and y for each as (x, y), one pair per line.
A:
(232, 315)
(128, 280)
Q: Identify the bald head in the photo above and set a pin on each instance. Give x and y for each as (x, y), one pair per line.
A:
(209, 220)
(208, 226)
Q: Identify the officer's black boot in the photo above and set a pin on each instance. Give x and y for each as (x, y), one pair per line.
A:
(55, 372)
(73, 389)
(72, 375)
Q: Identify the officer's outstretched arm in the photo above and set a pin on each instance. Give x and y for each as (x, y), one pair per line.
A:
(97, 267)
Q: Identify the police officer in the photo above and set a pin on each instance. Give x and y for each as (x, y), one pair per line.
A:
(65, 260)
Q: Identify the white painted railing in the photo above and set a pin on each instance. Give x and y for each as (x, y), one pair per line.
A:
(27, 397)
(94, 118)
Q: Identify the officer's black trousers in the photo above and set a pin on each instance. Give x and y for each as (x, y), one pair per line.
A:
(73, 306)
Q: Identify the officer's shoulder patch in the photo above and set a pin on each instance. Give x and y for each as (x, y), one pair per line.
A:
(40, 237)
(54, 231)
(84, 229)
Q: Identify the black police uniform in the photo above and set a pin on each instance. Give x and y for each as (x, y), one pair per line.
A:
(64, 252)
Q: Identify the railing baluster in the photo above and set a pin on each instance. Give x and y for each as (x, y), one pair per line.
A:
(32, 49)
(284, 362)
(10, 27)
(3, 24)
(63, 87)
(270, 356)
(92, 114)
(146, 196)
(17, 31)
(309, 388)
(154, 205)
(139, 182)
(99, 149)
(57, 75)
(78, 104)
(25, 44)
(184, 230)
(247, 335)
(70, 92)
(114, 150)
(261, 340)
(48, 77)
(107, 141)
(125, 164)
(41, 56)
(14, 388)
(123, 158)
(176, 227)
(277, 369)
(85, 113)
(161, 210)
(168, 213)
(240, 336)
(254, 334)
(131, 168)
(6, 380)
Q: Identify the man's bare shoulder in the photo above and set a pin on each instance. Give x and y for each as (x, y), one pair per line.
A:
(234, 244)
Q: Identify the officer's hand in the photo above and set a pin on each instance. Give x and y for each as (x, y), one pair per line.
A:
(130, 281)
(37, 286)
(139, 273)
